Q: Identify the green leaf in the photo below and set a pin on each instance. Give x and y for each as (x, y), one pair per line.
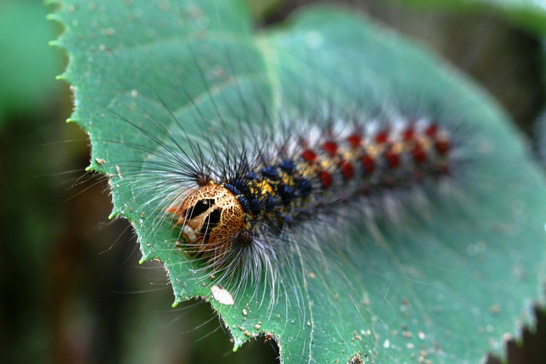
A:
(529, 14)
(446, 282)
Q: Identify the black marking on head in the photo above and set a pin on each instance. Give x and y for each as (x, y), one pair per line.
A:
(200, 207)
(210, 223)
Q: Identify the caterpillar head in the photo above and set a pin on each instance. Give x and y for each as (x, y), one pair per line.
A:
(211, 216)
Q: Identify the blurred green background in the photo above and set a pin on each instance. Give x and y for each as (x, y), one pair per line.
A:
(71, 288)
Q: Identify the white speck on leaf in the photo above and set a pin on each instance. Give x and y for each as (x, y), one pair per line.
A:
(221, 295)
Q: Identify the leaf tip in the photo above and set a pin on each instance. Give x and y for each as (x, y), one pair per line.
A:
(236, 344)
(52, 16)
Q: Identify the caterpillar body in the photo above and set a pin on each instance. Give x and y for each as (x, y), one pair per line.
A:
(300, 177)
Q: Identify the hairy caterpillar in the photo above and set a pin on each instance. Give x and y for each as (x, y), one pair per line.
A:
(231, 134)
(257, 192)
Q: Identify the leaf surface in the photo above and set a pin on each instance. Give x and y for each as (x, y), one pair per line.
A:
(446, 282)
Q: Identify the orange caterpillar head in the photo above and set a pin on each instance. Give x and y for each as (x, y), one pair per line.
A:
(211, 217)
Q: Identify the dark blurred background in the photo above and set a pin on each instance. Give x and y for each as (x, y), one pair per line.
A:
(71, 288)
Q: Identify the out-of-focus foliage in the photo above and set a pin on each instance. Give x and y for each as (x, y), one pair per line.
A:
(28, 66)
(529, 14)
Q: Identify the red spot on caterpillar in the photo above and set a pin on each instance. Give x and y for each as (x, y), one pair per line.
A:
(408, 134)
(347, 170)
(354, 140)
(431, 130)
(418, 154)
(393, 159)
(382, 137)
(330, 147)
(326, 179)
(309, 156)
(368, 163)
(442, 146)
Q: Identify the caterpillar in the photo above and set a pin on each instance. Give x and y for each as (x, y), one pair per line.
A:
(239, 207)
